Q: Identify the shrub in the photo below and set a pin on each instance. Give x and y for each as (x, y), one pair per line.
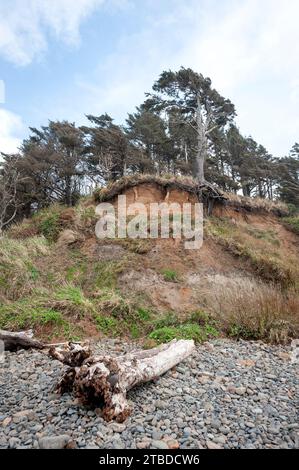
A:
(108, 325)
(197, 326)
(185, 331)
(292, 223)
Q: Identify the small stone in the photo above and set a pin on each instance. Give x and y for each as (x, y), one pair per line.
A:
(213, 445)
(159, 445)
(118, 427)
(13, 442)
(246, 362)
(173, 444)
(249, 424)
(54, 442)
(156, 435)
(160, 404)
(143, 444)
(6, 421)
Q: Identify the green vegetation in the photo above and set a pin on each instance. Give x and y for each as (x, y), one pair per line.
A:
(264, 260)
(267, 235)
(107, 324)
(23, 314)
(106, 273)
(197, 326)
(18, 271)
(72, 299)
(292, 223)
(169, 275)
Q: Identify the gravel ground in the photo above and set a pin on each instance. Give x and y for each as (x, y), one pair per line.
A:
(227, 395)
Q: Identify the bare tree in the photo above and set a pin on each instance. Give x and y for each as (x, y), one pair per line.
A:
(10, 177)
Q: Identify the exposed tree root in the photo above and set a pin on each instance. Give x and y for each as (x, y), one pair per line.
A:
(104, 381)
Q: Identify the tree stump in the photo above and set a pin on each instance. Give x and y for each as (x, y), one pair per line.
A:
(103, 381)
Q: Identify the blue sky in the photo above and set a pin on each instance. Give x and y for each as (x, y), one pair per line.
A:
(61, 59)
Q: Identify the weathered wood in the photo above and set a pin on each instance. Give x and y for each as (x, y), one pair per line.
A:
(73, 354)
(105, 380)
(20, 340)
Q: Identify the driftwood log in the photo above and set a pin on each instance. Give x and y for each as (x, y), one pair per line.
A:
(21, 340)
(103, 381)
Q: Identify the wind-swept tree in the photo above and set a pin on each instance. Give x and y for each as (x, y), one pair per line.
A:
(289, 177)
(107, 147)
(196, 103)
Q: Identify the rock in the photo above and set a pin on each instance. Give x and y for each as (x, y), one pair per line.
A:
(284, 356)
(191, 409)
(246, 362)
(156, 435)
(143, 444)
(68, 237)
(213, 445)
(160, 404)
(54, 442)
(118, 427)
(6, 421)
(159, 445)
(13, 442)
(172, 444)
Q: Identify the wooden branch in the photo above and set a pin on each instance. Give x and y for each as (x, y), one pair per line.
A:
(104, 381)
(21, 340)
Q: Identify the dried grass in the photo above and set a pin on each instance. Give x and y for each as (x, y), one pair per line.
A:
(252, 310)
(186, 183)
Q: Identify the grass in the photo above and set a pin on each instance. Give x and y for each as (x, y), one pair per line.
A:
(71, 299)
(106, 274)
(47, 222)
(197, 326)
(292, 223)
(267, 235)
(252, 310)
(188, 184)
(18, 271)
(119, 316)
(24, 314)
(170, 275)
(264, 260)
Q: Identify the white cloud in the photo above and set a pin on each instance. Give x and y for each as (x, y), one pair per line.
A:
(11, 130)
(249, 48)
(24, 25)
(251, 54)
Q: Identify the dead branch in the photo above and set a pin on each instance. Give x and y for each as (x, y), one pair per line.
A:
(21, 340)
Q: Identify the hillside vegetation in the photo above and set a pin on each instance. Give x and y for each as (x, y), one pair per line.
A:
(57, 278)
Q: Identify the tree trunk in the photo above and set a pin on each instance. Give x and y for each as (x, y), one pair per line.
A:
(201, 145)
(104, 380)
(21, 340)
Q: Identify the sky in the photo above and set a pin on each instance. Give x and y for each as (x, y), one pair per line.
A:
(63, 59)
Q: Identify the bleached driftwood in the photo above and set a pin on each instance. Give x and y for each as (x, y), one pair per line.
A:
(104, 380)
(20, 340)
